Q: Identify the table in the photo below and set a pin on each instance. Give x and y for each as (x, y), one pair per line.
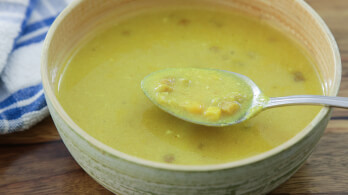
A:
(37, 162)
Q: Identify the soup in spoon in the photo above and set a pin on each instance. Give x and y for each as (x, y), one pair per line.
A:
(203, 96)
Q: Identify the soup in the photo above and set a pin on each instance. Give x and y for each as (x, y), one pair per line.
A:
(99, 86)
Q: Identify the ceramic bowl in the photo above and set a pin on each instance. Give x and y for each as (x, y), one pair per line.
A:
(125, 174)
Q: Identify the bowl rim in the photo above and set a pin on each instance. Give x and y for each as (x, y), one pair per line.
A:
(49, 93)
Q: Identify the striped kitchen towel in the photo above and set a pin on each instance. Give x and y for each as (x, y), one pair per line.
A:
(23, 27)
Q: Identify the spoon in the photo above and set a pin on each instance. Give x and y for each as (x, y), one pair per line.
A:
(256, 101)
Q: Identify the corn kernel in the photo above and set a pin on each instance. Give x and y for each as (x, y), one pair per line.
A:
(213, 113)
(194, 107)
(229, 107)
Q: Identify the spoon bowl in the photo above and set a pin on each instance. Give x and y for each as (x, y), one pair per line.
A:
(257, 99)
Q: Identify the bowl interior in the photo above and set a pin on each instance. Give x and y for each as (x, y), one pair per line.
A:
(295, 18)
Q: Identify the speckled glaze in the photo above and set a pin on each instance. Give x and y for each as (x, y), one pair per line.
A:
(124, 174)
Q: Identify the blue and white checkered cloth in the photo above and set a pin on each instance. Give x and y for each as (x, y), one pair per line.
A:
(23, 27)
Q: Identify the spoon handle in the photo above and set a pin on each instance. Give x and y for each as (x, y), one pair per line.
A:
(341, 102)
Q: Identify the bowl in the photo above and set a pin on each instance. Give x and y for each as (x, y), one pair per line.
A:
(125, 174)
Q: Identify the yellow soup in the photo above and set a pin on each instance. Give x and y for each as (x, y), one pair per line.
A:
(206, 96)
(99, 86)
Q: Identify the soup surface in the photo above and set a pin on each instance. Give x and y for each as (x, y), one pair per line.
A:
(99, 86)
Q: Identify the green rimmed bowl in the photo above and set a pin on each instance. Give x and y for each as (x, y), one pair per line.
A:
(125, 174)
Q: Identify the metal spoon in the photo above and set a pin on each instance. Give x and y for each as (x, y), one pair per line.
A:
(259, 102)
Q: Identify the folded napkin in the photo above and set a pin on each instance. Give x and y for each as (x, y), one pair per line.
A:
(23, 27)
